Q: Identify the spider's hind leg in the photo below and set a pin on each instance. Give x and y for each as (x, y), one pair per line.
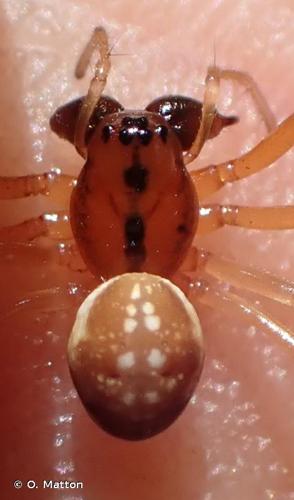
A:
(242, 277)
(207, 294)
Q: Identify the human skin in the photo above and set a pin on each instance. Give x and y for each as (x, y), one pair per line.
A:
(235, 438)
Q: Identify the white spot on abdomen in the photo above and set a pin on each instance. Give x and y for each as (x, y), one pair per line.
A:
(136, 292)
(131, 309)
(156, 358)
(152, 322)
(148, 289)
(151, 397)
(148, 308)
(170, 384)
(130, 325)
(129, 398)
(126, 361)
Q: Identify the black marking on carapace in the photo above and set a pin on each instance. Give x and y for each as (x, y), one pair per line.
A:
(106, 133)
(135, 127)
(125, 136)
(162, 131)
(134, 230)
(136, 177)
(134, 238)
(139, 122)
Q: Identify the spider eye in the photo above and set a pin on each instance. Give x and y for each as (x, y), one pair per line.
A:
(125, 136)
(106, 133)
(162, 131)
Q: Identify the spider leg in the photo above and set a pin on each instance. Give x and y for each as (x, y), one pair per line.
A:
(245, 278)
(210, 179)
(63, 298)
(212, 217)
(212, 83)
(53, 184)
(98, 40)
(55, 226)
(63, 251)
(246, 80)
(206, 294)
(67, 254)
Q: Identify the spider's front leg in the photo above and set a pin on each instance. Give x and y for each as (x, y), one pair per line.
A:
(194, 122)
(212, 85)
(74, 122)
(98, 40)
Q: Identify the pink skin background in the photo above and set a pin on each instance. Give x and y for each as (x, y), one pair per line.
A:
(235, 440)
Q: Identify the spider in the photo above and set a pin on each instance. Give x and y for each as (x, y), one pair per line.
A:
(133, 215)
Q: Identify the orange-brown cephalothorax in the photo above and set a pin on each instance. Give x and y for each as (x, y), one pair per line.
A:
(134, 207)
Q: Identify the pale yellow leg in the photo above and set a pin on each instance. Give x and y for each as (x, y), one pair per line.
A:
(210, 179)
(61, 299)
(226, 301)
(246, 80)
(212, 84)
(244, 278)
(212, 217)
(55, 226)
(53, 184)
(98, 40)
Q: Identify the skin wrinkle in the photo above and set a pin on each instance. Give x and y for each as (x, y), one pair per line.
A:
(214, 451)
